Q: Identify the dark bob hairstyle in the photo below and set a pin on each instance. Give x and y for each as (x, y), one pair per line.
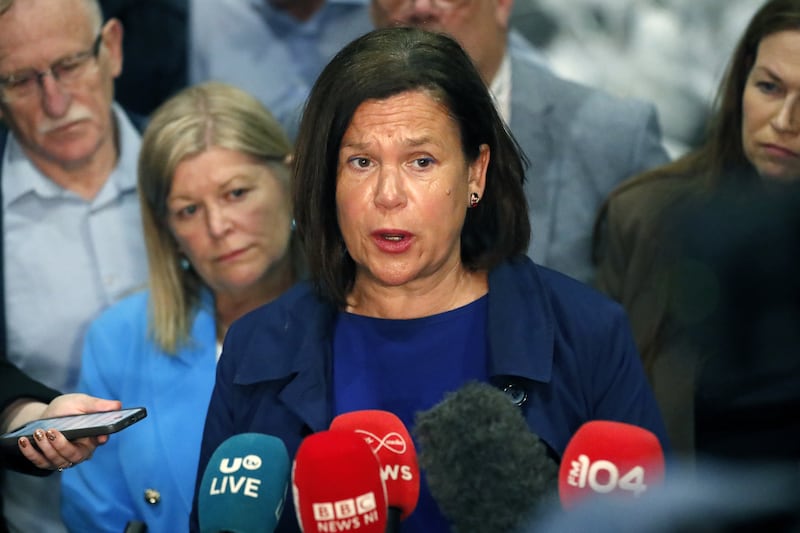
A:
(376, 66)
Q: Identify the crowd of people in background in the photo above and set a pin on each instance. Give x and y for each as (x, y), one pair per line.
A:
(586, 180)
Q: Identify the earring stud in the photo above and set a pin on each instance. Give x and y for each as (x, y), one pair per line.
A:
(474, 199)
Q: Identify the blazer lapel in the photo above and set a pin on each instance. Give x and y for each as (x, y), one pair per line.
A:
(188, 375)
(305, 335)
(532, 107)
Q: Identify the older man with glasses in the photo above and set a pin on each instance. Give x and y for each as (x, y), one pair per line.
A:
(71, 237)
(580, 141)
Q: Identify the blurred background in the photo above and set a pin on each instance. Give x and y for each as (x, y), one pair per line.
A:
(671, 52)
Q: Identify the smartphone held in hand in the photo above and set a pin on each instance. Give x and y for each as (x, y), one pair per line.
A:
(78, 426)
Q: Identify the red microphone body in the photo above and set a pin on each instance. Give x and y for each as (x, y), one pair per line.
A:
(390, 440)
(609, 459)
(337, 485)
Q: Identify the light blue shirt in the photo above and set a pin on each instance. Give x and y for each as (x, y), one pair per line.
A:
(268, 53)
(66, 260)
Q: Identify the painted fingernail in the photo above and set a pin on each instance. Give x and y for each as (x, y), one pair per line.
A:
(23, 442)
(39, 434)
(50, 435)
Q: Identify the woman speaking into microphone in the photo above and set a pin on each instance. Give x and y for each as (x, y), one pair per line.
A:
(407, 194)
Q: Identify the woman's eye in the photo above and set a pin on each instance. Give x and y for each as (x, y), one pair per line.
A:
(359, 162)
(423, 162)
(767, 87)
(187, 211)
(238, 193)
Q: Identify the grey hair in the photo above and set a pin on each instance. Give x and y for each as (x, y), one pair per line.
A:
(95, 12)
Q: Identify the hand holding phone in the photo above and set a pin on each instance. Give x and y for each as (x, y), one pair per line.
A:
(77, 426)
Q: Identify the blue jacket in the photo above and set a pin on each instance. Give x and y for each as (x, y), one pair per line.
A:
(121, 361)
(567, 347)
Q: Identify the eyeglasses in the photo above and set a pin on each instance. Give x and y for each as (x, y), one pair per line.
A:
(444, 5)
(66, 71)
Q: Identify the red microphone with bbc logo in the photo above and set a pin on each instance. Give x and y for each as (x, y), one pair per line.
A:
(610, 460)
(337, 485)
(389, 438)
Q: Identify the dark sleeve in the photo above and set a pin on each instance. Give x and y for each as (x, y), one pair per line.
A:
(154, 48)
(14, 385)
(617, 379)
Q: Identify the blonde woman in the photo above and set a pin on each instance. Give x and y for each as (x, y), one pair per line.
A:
(217, 219)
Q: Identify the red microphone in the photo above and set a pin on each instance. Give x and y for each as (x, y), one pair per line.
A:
(337, 485)
(609, 459)
(390, 440)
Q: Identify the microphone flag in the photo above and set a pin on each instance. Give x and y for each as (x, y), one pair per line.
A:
(390, 440)
(337, 485)
(609, 459)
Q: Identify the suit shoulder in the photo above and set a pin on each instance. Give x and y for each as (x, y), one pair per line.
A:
(274, 314)
(565, 91)
(575, 297)
(569, 298)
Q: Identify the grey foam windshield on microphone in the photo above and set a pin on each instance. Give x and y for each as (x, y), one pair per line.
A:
(484, 467)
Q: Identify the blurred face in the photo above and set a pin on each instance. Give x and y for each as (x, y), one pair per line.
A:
(480, 26)
(402, 190)
(300, 9)
(771, 108)
(231, 218)
(65, 121)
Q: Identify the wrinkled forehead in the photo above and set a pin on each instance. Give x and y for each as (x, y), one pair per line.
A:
(33, 32)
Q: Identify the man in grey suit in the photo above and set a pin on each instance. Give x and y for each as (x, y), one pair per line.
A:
(581, 142)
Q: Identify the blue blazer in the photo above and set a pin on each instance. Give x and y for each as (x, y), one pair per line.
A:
(121, 361)
(563, 345)
(581, 142)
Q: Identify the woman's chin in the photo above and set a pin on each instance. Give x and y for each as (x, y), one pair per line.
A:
(776, 174)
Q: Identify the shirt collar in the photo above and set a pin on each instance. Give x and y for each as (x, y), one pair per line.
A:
(500, 88)
(29, 179)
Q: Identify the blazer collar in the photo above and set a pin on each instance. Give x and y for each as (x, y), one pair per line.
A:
(531, 107)
(307, 323)
(521, 337)
(534, 100)
(521, 323)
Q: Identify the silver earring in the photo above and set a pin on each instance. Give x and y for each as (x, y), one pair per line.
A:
(184, 263)
(294, 225)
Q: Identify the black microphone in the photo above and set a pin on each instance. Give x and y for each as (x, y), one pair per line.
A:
(485, 468)
(135, 526)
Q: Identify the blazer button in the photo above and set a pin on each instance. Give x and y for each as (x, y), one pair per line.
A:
(516, 393)
(152, 496)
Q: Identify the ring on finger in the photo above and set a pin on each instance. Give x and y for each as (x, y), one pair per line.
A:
(64, 467)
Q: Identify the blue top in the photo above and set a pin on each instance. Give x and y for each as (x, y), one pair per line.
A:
(561, 343)
(377, 364)
(121, 361)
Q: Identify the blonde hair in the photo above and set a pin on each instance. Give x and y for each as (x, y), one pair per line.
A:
(197, 118)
